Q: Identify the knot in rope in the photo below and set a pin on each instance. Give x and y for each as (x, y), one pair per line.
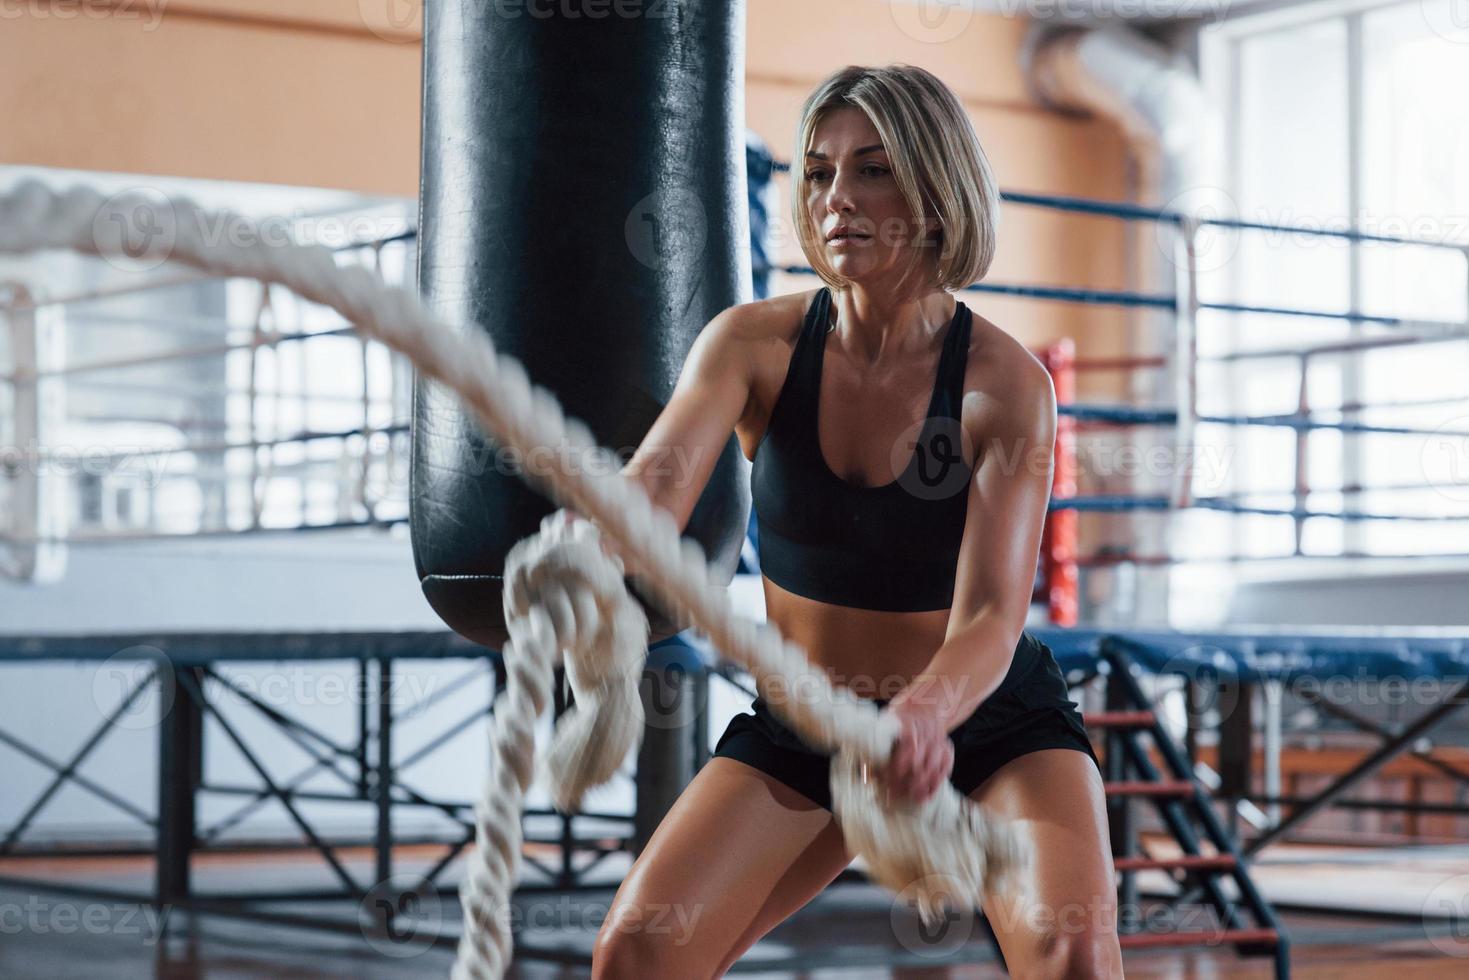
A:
(565, 598)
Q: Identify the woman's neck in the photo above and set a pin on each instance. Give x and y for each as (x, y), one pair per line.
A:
(873, 325)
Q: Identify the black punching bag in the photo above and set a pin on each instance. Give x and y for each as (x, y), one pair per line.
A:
(583, 200)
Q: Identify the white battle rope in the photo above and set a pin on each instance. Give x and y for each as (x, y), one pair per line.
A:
(562, 592)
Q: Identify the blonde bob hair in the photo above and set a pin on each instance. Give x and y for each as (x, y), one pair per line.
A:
(937, 160)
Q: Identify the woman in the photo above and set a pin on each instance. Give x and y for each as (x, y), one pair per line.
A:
(901, 453)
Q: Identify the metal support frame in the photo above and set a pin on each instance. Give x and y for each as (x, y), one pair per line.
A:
(1390, 749)
(1236, 763)
(1179, 816)
(1236, 745)
(180, 768)
(365, 762)
(365, 766)
(366, 769)
(1120, 818)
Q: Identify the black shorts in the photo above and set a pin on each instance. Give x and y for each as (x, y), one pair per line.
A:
(1030, 710)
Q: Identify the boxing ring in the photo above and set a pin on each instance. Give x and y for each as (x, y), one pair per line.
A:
(185, 677)
(182, 670)
(1183, 419)
(348, 458)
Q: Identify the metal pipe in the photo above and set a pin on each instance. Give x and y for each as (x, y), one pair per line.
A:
(1340, 347)
(133, 537)
(108, 292)
(1301, 445)
(37, 510)
(1185, 360)
(299, 438)
(182, 389)
(173, 279)
(191, 353)
(1135, 212)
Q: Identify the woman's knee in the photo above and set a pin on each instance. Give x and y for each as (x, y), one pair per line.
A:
(1095, 956)
(643, 942)
(619, 955)
(730, 859)
(1077, 955)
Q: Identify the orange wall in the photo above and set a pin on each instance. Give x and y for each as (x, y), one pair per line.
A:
(792, 45)
(247, 90)
(326, 93)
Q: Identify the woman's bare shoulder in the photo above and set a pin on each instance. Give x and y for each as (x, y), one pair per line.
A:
(1001, 375)
(773, 318)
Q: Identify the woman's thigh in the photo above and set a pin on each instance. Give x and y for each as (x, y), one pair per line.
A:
(738, 852)
(1066, 923)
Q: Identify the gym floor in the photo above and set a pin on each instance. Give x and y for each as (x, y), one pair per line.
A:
(216, 947)
(1233, 233)
(102, 938)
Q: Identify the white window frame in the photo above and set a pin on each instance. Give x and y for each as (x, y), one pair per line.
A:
(1219, 47)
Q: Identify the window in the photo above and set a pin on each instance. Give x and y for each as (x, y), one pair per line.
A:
(1340, 118)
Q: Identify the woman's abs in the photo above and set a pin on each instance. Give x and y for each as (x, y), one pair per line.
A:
(874, 654)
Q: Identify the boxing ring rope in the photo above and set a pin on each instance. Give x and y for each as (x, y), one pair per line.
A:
(1184, 356)
(1060, 559)
(1079, 423)
(562, 591)
(1059, 588)
(218, 462)
(1086, 419)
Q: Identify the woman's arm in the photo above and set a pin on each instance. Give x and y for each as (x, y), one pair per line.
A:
(1008, 497)
(674, 461)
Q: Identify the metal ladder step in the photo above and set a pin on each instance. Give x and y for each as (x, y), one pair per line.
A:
(1165, 787)
(1233, 937)
(1189, 862)
(1119, 719)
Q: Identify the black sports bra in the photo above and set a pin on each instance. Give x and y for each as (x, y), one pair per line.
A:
(893, 547)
